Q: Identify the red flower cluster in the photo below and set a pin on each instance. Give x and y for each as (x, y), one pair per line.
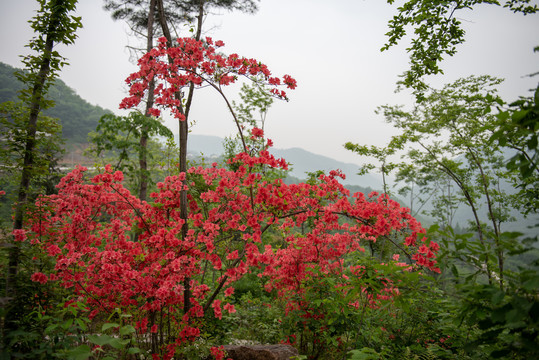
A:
(193, 62)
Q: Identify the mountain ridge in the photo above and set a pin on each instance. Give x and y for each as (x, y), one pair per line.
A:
(301, 161)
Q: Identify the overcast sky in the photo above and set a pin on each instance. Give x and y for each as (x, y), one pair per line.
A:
(330, 47)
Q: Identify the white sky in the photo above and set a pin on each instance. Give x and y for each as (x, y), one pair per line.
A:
(330, 47)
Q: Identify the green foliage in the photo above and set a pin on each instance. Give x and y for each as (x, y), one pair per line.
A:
(251, 113)
(52, 25)
(257, 320)
(382, 156)
(505, 319)
(118, 345)
(13, 119)
(9, 84)
(255, 99)
(117, 141)
(437, 33)
(364, 354)
(135, 12)
(45, 172)
(455, 155)
(488, 321)
(517, 129)
(337, 318)
(59, 331)
(39, 326)
(449, 155)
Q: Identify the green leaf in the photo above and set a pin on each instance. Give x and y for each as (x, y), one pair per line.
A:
(51, 328)
(455, 271)
(519, 115)
(497, 297)
(81, 352)
(531, 284)
(119, 344)
(107, 326)
(516, 325)
(127, 329)
(100, 339)
(364, 354)
(500, 353)
(81, 323)
(67, 324)
(133, 350)
(498, 315)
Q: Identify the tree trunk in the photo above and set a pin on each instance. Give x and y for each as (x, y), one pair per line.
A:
(26, 176)
(143, 161)
(183, 133)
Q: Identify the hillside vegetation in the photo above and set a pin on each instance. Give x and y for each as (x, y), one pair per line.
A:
(77, 116)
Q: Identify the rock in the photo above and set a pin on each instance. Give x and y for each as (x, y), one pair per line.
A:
(260, 352)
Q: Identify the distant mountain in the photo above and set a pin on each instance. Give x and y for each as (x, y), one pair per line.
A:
(463, 215)
(207, 145)
(301, 161)
(77, 116)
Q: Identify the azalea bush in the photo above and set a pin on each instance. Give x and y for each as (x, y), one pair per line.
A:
(119, 253)
(173, 273)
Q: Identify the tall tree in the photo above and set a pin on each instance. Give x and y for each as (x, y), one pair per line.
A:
(141, 17)
(53, 25)
(177, 12)
(143, 149)
(447, 136)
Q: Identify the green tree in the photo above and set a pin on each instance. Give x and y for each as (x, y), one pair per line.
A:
(446, 137)
(251, 113)
(453, 156)
(48, 150)
(381, 154)
(53, 25)
(141, 20)
(157, 16)
(137, 12)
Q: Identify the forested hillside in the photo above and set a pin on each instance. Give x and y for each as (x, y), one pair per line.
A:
(77, 116)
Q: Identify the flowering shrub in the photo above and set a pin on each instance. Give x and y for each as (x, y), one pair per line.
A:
(171, 269)
(119, 252)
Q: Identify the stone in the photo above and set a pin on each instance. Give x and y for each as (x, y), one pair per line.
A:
(260, 352)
